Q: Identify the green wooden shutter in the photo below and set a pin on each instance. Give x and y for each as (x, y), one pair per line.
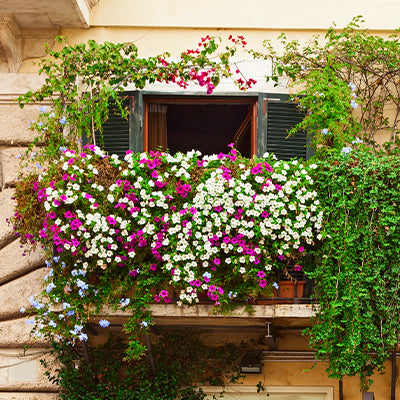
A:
(115, 139)
(136, 139)
(120, 134)
(276, 116)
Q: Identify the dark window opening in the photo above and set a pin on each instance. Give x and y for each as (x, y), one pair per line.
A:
(208, 128)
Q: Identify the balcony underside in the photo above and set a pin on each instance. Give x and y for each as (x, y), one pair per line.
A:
(296, 316)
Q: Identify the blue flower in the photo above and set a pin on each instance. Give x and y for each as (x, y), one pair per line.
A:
(325, 131)
(82, 285)
(83, 337)
(43, 109)
(275, 285)
(63, 120)
(346, 150)
(77, 329)
(52, 324)
(352, 86)
(354, 104)
(22, 310)
(124, 302)
(144, 324)
(104, 323)
(358, 140)
(50, 287)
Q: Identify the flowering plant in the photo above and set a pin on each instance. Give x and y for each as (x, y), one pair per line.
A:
(125, 232)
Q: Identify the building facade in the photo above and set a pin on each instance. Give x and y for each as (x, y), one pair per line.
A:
(261, 114)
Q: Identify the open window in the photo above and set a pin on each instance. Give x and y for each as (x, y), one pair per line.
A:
(207, 125)
(256, 124)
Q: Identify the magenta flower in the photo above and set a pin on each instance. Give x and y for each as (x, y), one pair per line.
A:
(68, 214)
(133, 273)
(268, 167)
(35, 186)
(263, 283)
(43, 234)
(298, 267)
(261, 274)
(164, 293)
(212, 288)
(75, 224)
(301, 249)
(111, 220)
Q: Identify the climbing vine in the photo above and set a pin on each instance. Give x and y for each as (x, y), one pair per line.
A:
(347, 82)
(358, 269)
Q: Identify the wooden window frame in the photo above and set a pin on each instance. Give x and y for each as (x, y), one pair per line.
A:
(203, 101)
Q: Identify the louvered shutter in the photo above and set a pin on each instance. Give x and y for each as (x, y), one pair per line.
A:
(276, 116)
(120, 134)
(115, 138)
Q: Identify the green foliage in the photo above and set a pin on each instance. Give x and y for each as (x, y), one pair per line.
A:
(348, 82)
(357, 268)
(180, 357)
(83, 79)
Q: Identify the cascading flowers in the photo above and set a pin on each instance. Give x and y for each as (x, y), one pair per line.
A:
(127, 230)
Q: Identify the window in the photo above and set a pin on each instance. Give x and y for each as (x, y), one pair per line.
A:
(274, 393)
(256, 124)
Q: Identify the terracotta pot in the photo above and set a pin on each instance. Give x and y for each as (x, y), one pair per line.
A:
(287, 289)
(286, 293)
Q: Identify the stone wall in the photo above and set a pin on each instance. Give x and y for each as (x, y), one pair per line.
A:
(21, 272)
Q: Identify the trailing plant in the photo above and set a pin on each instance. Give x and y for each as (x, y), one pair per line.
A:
(123, 232)
(348, 84)
(105, 373)
(82, 80)
(358, 269)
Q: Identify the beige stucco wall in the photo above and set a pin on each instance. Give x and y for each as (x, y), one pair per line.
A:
(285, 14)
